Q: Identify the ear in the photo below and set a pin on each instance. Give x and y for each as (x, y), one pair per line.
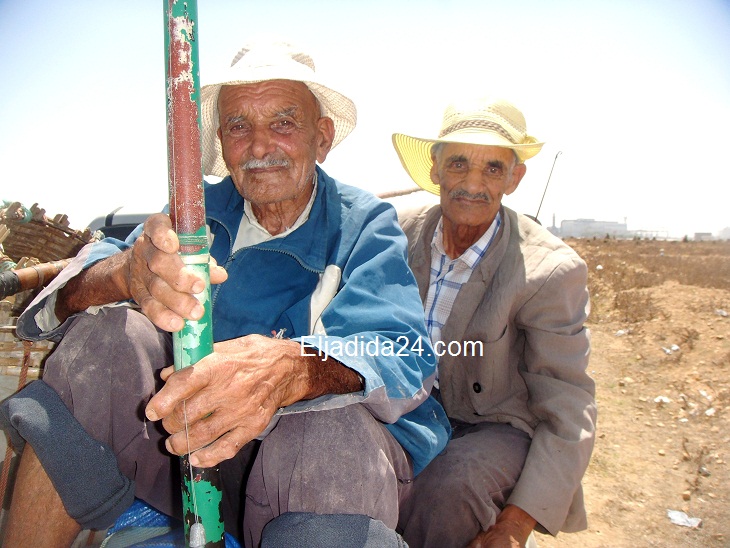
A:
(325, 136)
(518, 172)
(435, 179)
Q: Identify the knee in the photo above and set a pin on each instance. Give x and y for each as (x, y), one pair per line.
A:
(119, 339)
(121, 330)
(347, 429)
(108, 357)
(333, 461)
(345, 421)
(306, 529)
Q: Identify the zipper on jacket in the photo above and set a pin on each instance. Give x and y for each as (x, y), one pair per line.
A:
(231, 256)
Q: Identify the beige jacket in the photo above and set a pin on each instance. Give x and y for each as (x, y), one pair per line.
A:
(527, 302)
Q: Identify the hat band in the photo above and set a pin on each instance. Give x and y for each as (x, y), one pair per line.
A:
(479, 124)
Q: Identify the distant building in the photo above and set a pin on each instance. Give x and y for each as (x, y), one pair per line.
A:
(703, 236)
(587, 228)
(590, 228)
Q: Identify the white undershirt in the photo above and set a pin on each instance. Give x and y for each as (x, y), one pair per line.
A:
(250, 231)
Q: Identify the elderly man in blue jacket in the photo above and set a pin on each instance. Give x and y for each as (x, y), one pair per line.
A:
(321, 348)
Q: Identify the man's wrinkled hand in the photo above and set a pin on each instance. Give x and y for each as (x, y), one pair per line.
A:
(495, 538)
(512, 529)
(159, 281)
(213, 408)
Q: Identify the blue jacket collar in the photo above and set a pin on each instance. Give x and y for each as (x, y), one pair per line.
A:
(308, 244)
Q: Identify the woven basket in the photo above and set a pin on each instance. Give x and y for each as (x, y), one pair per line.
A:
(44, 240)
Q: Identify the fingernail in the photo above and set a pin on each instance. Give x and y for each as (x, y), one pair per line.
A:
(151, 415)
(197, 312)
(194, 460)
(199, 286)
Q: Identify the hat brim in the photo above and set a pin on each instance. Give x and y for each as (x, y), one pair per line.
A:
(334, 105)
(415, 153)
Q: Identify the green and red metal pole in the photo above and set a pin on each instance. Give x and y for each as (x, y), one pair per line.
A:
(200, 486)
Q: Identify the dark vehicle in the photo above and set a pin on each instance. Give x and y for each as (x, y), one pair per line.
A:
(118, 224)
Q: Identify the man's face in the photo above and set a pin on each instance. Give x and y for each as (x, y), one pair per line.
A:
(473, 179)
(272, 135)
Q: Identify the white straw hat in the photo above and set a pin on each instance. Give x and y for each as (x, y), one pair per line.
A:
(269, 61)
(481, 121)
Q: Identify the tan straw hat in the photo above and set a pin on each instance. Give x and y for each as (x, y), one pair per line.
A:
(258, 63)
(482, 121)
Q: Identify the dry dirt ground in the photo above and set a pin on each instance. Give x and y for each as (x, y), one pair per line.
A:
(661, 362)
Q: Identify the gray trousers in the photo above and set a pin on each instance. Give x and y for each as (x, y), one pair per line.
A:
(461, 491)
(341, 461)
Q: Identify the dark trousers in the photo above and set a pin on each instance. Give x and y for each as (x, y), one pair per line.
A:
(340, 461)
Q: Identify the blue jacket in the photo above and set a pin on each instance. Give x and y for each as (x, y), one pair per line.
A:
(372, 321)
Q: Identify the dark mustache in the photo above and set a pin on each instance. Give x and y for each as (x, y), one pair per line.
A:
(461, 193)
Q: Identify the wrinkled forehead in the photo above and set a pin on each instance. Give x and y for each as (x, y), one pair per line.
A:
(443, 150)
(267, 94)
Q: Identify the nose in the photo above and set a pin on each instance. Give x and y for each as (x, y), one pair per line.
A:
(262, 142)
(473, 182)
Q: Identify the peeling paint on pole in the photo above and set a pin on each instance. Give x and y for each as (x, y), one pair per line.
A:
(187, 204)
(201, 487)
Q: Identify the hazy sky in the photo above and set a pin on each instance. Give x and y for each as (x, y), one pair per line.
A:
(635, 94)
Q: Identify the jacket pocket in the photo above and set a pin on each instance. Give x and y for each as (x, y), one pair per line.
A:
(488, 375)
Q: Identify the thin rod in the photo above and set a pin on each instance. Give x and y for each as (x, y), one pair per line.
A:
(546, 184)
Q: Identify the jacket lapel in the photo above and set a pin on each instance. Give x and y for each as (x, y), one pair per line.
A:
(419, 251)
(472, 293)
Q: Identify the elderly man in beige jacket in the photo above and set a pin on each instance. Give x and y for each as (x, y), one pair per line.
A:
(505, 304)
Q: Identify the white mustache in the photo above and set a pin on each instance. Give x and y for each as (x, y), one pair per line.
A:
(266, 162)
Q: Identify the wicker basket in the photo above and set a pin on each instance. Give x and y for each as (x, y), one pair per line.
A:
(44, 240)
